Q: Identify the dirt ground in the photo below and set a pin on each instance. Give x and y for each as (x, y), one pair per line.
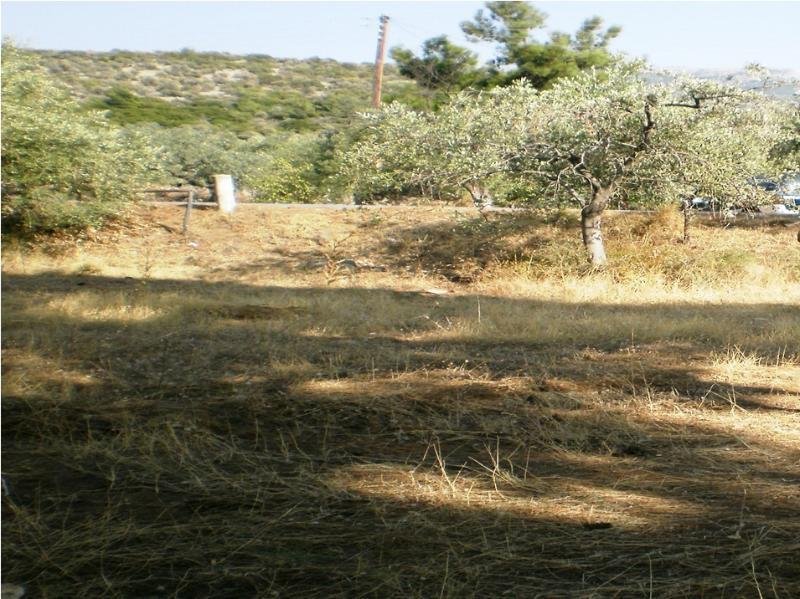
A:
(399, 402)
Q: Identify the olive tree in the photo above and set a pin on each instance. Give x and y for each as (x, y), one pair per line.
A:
(786, 151)
(193, 154)
(729, 147)
(604, 135)
(466, 145)
(588, 140)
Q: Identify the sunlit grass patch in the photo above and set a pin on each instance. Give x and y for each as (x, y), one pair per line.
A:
(92, 306)
(494, 489)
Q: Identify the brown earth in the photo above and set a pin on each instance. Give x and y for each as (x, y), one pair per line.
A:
(401, 402)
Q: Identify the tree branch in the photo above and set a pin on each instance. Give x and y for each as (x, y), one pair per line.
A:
(644, 142)
(698, 99)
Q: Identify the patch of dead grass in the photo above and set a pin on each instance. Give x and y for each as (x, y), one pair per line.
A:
(216, 416)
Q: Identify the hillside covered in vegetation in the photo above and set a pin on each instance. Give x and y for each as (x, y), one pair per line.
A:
(245, 94)
(72, 118)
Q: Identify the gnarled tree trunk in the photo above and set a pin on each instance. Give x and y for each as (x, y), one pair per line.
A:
(479, 194)
(481, 198)
(591, 221)
(688, 213)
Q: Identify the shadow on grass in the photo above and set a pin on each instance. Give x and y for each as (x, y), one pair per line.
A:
(457, 249)
(330, 452)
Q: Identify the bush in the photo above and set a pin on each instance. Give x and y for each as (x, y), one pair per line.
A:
(125, 108)
(193, 154)
(291, 110)
(44, 210)
(283, 182)
(62, 167)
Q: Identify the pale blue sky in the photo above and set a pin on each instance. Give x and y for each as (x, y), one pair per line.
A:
(670, 34)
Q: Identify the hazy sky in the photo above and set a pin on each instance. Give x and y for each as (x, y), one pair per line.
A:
(670, 34)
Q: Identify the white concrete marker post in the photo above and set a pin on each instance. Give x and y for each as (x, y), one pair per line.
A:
(226, 199)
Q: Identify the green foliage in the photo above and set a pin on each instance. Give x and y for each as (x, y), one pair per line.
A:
(511, 25)
(285, 129)
(412, 98)
(282, 182)
(339, 106)
(283, 105)
(729, 146)
(508, 24)
(466, 145)
(244, 94)
(648, 143)
(591, 139)
(786, 151)
(192, 154)
(325, 157)
(44, 210)
(279, 168)
(543, 64)
(443, 65)
(290, 109)
(62, 167)
(126, 108)
(591, 37)
(210, 112)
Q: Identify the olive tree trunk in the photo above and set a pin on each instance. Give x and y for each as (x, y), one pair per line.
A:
(591, 221)
(688, 214)
(481, 198)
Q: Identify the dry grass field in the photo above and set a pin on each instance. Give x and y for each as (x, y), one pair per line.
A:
(395, 402)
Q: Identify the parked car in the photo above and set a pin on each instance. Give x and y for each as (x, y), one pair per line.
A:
(776, 209)
(702, 203)
(766, 184)
(787, 189)
(791, 199)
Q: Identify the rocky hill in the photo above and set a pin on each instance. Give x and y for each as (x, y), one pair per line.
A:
(255, 92)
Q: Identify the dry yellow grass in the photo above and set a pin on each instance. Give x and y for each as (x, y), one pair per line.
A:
(405, 403)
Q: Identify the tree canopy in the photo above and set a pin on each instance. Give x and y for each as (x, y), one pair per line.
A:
(786, 150)
(589, 139)
(442, 66)
(465, 145)
(512, 27)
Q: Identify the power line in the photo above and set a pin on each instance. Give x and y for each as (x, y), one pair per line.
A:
(416, 33)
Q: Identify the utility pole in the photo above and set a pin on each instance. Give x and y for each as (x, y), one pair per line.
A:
(379, 58)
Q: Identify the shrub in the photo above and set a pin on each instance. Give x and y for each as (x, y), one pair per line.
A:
(194, 153)
(62, 167)
(283, 182)
(125, 108)
(45, 210)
